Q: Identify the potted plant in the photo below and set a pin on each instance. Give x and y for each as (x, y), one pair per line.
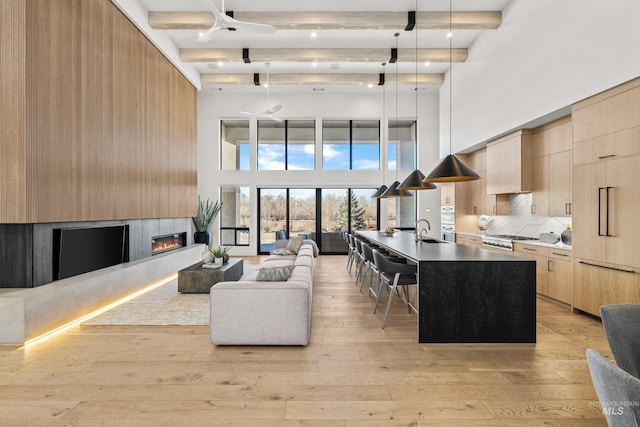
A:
(207, 213)
(220, 255)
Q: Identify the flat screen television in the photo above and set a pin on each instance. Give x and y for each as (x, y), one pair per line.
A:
(80, 250)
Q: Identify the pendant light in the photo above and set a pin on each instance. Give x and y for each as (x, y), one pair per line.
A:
(393, 190)
(451, 168)
(383, 187)
(415, 180)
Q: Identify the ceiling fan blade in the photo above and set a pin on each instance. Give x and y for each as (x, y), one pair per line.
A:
(208, 35)
(273, 109)
(246, 112)
(250, 27)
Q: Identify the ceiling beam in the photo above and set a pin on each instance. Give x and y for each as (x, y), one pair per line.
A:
(321, 55)
(482, 20)
(320, 78)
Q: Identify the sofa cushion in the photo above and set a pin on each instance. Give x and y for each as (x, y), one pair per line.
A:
(295, 243)
(279, 273)
(282, 251)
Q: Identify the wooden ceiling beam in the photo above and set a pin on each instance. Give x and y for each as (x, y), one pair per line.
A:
(321, 55)
(480, 20)
(320, 78)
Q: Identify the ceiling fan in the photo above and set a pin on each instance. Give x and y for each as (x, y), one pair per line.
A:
(225, 22)
(268, 113)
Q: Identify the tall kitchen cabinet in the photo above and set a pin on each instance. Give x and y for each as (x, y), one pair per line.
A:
(551, 168)
(606, 198)
(479, 202)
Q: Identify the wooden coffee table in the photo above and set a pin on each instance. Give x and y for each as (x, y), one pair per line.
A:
(195, 279)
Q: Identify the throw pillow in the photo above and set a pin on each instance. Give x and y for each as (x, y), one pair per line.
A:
(281, 251)
(275, 274)
(295, 243)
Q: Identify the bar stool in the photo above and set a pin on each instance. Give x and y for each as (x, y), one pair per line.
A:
(393, 274)
(351, 251)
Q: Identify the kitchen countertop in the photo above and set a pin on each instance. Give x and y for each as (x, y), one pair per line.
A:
(558, 245)
(402, 242)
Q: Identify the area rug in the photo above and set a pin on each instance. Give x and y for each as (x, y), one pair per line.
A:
(161, 306)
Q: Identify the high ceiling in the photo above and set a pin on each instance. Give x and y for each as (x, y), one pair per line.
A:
(318, 45)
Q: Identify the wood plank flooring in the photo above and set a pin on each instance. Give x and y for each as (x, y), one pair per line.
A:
(351, 374)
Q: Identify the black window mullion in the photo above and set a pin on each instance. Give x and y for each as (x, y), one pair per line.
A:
(286, 214)
(319, 218)
(286, 145)
(350, 147)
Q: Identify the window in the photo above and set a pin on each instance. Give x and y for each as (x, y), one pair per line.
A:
(235, 216)
(317, 214)
(401, 211)
(351, 145)
(234, 145)
(286, 145)
(402, 144)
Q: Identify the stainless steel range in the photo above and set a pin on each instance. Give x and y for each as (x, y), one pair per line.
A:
(503, 241)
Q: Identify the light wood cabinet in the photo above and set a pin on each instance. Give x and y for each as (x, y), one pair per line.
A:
(481, 203)
(560, 268)
(469, 240)
(448, 194)
(540, 254)
(509, 163)
(605, 219)
(551, 169)
(595, 285)
(554, 270)
(540, 186)
(606, 198)
(560, 182)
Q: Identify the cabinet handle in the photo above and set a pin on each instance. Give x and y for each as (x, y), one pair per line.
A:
(555, 253)
(529, 249)
(600, 211)
(475, 209)
(549, 265)
(608, 268)
(607, 156)
(567, 208)
(495, 210)
(607, 219)
(533, 209)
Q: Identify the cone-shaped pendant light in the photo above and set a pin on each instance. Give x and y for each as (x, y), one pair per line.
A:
(451, 168)
(379, 192)
(415, 181)
(393, 191)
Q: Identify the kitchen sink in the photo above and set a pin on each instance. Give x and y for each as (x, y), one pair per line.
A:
(430, 240)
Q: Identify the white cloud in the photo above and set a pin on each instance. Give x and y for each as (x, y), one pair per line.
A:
(366, 164)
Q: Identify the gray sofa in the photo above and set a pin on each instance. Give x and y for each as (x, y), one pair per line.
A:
(251, 312)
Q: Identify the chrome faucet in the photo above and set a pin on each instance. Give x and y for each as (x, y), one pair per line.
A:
(418, 236)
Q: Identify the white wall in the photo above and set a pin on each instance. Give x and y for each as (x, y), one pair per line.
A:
(546, 55)
(213, 106)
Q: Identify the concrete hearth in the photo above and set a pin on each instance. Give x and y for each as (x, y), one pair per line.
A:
(28, 313)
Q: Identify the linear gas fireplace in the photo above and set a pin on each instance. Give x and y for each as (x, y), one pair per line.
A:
(168, 242)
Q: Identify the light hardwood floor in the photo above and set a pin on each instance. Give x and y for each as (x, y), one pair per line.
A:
(351, 374)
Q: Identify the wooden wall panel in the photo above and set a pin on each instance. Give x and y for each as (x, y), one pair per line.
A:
(111, 124)
(12, 111)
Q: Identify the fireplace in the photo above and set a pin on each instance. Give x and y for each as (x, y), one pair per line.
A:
(168, 242)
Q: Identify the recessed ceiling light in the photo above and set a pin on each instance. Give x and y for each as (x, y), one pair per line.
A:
(314, 34)
(315, 64)
(449, 34)
(212, 66)
(220, 64)
(426, 64)
(265, 85)
(200, 33)
(370, 85)
(335, 66)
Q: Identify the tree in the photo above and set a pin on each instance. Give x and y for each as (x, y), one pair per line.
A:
(357, 213)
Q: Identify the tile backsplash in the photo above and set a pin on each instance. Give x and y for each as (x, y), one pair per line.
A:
(521, 222)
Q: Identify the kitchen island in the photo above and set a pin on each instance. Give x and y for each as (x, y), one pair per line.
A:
(466, 294)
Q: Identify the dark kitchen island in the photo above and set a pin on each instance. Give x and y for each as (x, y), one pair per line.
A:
(466, 294)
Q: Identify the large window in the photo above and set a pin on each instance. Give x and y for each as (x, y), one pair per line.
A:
(234, 145)
(402, 153)
(286, 145)
(309, 212)
(351, 144)
(235, 216)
